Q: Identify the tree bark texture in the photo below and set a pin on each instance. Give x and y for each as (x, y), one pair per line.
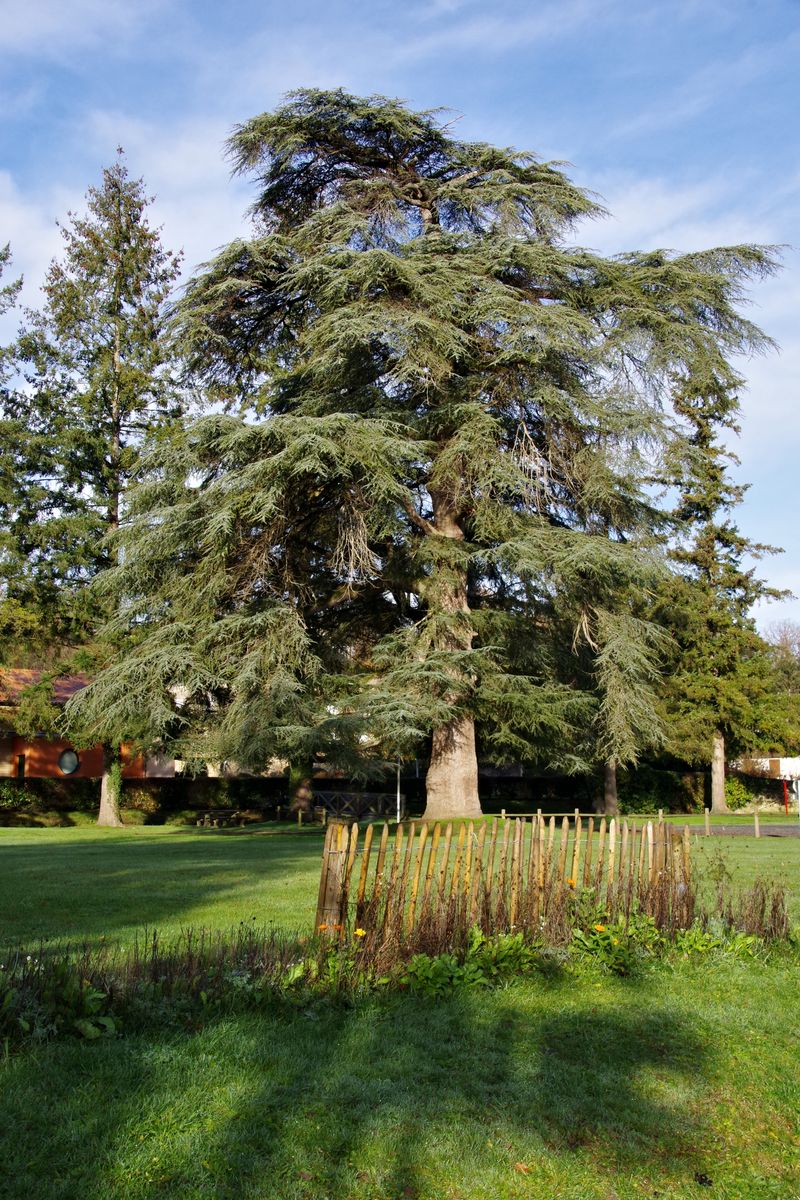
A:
(610, 803)
(110, 789)
(451, 783)
(718, 802)
(452, 780)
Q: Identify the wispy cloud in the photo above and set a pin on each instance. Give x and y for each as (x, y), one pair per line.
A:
(51, 28)
(712, 85)
(504, 28)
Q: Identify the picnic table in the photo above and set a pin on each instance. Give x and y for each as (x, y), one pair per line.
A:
(219, 818)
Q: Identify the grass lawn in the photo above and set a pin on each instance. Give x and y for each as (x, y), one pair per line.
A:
(583, 1087)
(87, 883)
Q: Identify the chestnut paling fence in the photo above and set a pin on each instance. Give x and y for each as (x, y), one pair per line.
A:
(501, 875)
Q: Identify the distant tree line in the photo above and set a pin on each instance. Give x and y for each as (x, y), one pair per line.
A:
(405, 473)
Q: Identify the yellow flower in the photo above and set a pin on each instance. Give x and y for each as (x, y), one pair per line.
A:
(600, 928)
(615, 941)
(360, 932)
(571, 883)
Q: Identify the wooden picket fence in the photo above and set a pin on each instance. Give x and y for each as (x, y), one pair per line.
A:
(500, 875)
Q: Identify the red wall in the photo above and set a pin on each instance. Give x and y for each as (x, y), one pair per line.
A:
(41, 760)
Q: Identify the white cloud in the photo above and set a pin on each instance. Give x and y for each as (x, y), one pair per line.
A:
(51, 28)
(183, 165)
(29, 224)
(504, 29)
(707, 87)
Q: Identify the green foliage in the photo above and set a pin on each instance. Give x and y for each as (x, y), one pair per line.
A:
(12, 795)
(93, 375)
(607, 944)
(487, 960)
(41, 999)
(720, 678)
(737, 793)
(646, 789)
(427, 503)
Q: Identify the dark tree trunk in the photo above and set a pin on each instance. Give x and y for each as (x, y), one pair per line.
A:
(610, 805)
(301, 796)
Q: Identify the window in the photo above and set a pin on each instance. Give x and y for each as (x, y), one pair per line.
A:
(68, 762)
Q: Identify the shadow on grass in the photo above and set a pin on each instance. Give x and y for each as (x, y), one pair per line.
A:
(87, 886)
(402, 1098)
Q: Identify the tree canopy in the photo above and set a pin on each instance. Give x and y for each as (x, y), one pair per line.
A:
(421, 511)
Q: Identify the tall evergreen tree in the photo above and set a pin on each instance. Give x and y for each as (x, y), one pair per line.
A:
(436, 411)
(720, 690)
(98, 377)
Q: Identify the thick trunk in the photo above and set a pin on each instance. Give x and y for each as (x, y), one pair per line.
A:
(610, 806)
(110, 788)
(452, 779)
(718, 802)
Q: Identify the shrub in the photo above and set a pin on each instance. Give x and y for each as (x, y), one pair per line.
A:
(737, 793)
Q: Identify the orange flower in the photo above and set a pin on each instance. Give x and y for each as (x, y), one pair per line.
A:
(571, 883)
(322, 927)
(600, 928)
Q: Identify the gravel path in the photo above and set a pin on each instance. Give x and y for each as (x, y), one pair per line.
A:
(747, 830)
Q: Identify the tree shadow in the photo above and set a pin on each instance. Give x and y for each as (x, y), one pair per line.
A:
(386, 1098)
(88, 888)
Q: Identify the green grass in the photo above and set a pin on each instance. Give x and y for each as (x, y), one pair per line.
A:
(584, 1087)
(87, 883)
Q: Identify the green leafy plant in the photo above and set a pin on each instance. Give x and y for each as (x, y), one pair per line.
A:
(608, 945)
(737, 793)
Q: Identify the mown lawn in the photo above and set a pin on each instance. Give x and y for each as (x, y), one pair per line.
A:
(681, 1083)
(88, 883)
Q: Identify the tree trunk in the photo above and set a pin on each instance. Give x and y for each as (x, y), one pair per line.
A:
(452, 780)
(610, 805)
(718, 802)
(301, 796)
(110, 787)
(111, 780)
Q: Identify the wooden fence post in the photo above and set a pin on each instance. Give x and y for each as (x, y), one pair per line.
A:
(756, 825)
(612, 855)
(587, 858)
(329, 900)
(562, 849)
(707, 820)
(576, 850)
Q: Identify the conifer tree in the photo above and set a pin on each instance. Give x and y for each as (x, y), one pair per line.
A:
(720, 688)
(438, 416)
(98, 377)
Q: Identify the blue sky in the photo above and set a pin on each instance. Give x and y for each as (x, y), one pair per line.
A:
(682, 114)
